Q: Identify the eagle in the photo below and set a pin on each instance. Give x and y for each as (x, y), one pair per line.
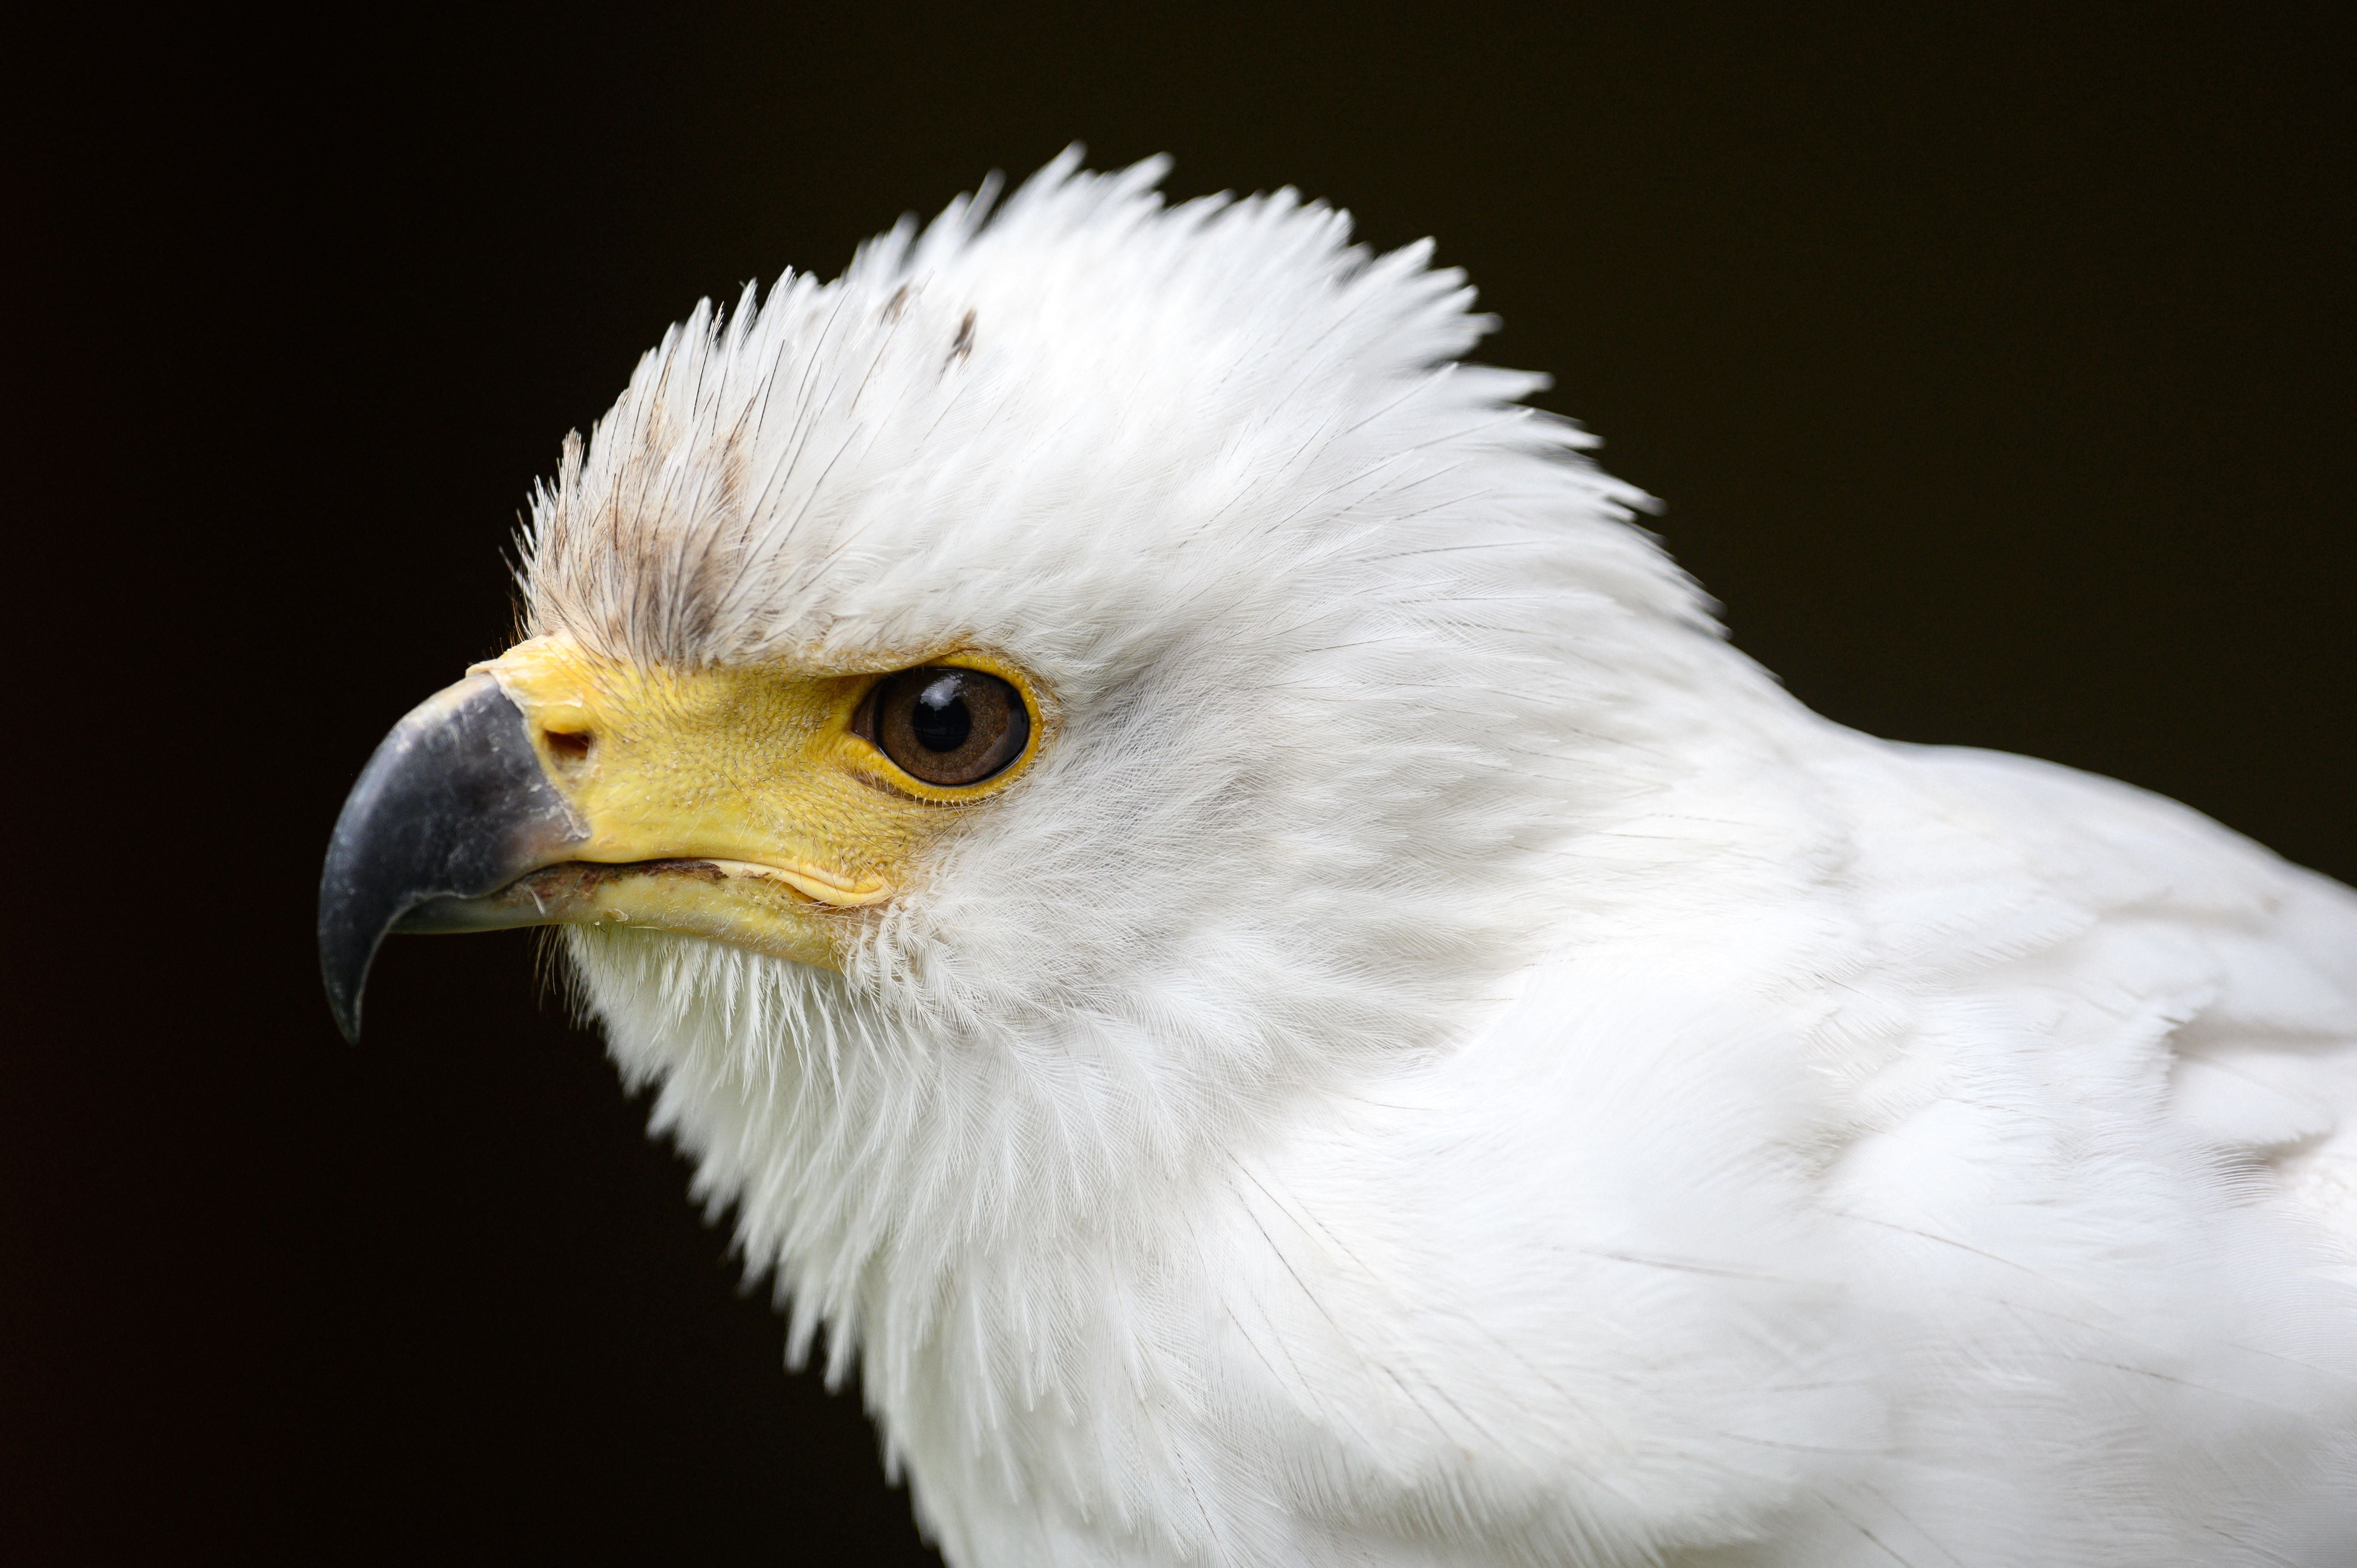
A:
(1237, 940)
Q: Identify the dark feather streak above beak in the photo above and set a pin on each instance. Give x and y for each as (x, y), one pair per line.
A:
(454, 805)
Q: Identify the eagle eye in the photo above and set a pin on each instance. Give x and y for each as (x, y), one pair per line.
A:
(945, 725)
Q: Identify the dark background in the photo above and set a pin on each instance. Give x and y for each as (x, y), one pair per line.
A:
(1993, 370)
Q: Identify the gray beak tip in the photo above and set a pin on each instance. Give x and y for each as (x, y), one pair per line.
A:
(453, 805)
(347, 946)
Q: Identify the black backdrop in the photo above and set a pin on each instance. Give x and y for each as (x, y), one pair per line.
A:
(1993, 370)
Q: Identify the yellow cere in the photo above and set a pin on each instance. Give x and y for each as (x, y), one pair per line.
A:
(754, 771)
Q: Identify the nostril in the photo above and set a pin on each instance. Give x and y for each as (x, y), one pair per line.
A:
(570, 745)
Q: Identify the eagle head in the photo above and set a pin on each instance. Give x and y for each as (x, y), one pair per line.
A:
(999, 725)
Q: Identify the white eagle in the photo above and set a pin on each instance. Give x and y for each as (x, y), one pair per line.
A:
(1236, 936)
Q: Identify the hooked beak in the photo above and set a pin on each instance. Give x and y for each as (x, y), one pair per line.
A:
(453, 806)
(739, 804)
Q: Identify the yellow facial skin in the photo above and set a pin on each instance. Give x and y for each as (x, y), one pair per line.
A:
(770, 822)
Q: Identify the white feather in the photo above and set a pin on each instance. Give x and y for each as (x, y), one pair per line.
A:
(1443, 1062)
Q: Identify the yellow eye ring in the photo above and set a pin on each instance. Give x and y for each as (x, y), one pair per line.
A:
(974, 734)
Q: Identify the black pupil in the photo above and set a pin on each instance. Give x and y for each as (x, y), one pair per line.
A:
(941, 721)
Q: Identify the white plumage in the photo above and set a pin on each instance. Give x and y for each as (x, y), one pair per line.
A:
(1443, 1061)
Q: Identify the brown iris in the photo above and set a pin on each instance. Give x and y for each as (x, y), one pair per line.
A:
(945, 725)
